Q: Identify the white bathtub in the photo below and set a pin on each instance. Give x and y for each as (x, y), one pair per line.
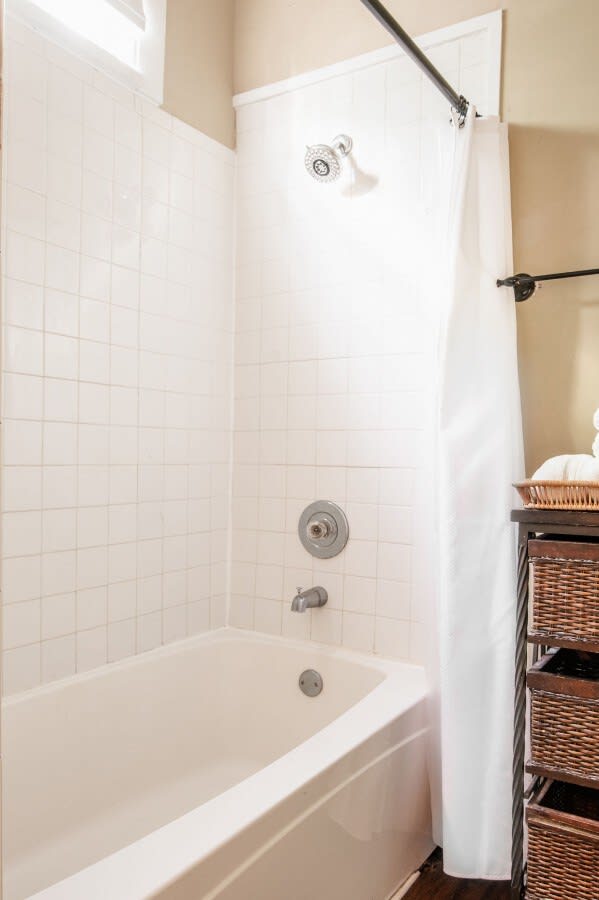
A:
(200, 770)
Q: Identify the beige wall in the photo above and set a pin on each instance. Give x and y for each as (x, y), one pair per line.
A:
(550, 99)
(198, 66)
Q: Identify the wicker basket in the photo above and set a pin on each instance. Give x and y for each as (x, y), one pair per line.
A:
(565, 593)
(564, 695)
(559, 494)
(563, 843)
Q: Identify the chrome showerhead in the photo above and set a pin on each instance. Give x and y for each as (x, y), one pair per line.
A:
(324, 162)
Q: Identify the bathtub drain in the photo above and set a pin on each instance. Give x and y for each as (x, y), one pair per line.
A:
(310, 683)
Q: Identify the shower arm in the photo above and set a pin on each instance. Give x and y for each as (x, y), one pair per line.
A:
(525, 285)
(457, 101)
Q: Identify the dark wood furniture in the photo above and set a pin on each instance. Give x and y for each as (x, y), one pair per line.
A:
(559, 530)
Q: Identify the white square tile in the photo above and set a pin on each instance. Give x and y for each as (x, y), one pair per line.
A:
(125, 239)
(358, 632)
(61, 313)
(65, 92)
(395, 524)
(96, 195)
(127, 128)
(22, 533)
(21, 624)
(25, 258)
(121, 639)
(198, 616)
(22, 443)
(21, 578)
(96, 236)
(22, 488)
(394, 562)
(124, 327)
(58, 658)
(60, 400)
(63, 180)
(93, 485)
(27, 165)
(241, 611)
(23, 304)
(268, 615)
(123, 484)
(23, 351)
(95, 278)
(98, 112)
(21, 669)
(93, 447)
(94, 362)
(62, 269)
(59, 530)
(92, 526)
(122, 601)
(63, 225)
(65, 138)
(58, 616)
(92, 567)
(61, 356)
(359, 594)
(58, 573)
(326, 626)
(149, 594)
(393, 599)
(25, 210)
(149, 631)
(98, 154)
(60, 476)
(122, 563)
(91, 648)
(125, 287)
(94, 404)
(392, 638)
(23, 396)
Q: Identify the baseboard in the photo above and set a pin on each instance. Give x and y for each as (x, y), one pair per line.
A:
(403, 890)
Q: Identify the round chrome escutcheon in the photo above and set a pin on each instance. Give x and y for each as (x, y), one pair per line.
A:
(323, 529)
(310, 683)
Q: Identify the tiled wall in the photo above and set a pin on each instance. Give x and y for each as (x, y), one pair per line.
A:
(335, 349)
(118, 247)
(117, 304)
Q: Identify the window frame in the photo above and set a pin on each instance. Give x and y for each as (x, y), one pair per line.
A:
(148, 80)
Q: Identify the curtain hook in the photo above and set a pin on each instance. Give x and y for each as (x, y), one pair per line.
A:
(458, 119)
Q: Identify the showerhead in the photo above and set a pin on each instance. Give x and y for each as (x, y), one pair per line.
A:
(324, 162)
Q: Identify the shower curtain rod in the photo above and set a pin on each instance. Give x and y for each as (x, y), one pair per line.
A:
(457, 101)
(525, 285)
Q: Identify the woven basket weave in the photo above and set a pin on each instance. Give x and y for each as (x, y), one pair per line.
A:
(563, 736)
(563, 844)
(559, 494)
(565, 593)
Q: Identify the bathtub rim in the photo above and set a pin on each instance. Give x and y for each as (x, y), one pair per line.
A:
(224, 634)
(165, 854)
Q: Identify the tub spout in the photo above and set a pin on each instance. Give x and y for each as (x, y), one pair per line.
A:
(303, 600)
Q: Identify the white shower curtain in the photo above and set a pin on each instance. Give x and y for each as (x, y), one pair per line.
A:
(479, 450)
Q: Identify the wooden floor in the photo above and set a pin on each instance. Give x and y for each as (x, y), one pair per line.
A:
(434, 883)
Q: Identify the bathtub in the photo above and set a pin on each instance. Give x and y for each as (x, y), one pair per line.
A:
(200, 770)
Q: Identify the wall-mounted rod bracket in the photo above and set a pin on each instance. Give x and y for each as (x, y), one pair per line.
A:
(525, 285)
(457, 101)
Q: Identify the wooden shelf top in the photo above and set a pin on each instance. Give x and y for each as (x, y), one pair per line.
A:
(556, 517)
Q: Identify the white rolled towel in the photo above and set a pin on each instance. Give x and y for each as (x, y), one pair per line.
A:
(596, 447)
(596, 420)
(569, 467)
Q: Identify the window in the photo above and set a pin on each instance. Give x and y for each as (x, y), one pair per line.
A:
(124, 38)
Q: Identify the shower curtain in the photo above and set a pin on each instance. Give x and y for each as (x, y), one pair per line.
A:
(479, 455)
